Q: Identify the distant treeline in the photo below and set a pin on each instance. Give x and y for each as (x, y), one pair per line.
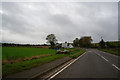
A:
(13, 44)
(108, 44)
(113, 44)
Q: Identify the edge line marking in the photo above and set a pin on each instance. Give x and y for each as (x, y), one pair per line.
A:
(104, 58)
(66, 67)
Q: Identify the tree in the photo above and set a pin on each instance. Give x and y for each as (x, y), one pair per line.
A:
(102, 43)
(85, 41)
(76, 42)
(51, 38)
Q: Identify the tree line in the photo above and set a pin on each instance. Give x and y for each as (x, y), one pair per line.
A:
(82, 42)
(85, 41)
(15, 45)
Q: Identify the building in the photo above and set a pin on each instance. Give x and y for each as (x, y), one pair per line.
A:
(67, 45)
(70, 46)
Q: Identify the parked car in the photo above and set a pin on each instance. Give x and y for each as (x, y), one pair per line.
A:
(62, 52)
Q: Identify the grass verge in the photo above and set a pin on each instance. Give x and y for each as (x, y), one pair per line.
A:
(81, 51)
(16, 67)
(112, 51)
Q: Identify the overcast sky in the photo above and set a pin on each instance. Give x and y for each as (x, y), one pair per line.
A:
(32, 22)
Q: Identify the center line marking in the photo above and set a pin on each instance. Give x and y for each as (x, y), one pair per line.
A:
(109, 62)
(104, 58)
(115, 66)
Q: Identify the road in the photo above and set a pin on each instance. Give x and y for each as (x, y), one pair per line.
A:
(93, 64)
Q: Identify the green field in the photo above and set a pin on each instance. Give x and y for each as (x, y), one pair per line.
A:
(22, 52)
(12, 54)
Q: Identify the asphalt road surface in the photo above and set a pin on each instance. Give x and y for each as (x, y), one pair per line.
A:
(93, 64)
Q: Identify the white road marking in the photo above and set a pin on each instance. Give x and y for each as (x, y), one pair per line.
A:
(89, 51)
(99, 54)
(104, 58)
(109, 62)
(65, 67)
(115, 66)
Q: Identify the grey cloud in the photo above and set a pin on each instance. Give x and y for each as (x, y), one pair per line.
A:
(61, 20)
(32, 22)
(13, 19)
